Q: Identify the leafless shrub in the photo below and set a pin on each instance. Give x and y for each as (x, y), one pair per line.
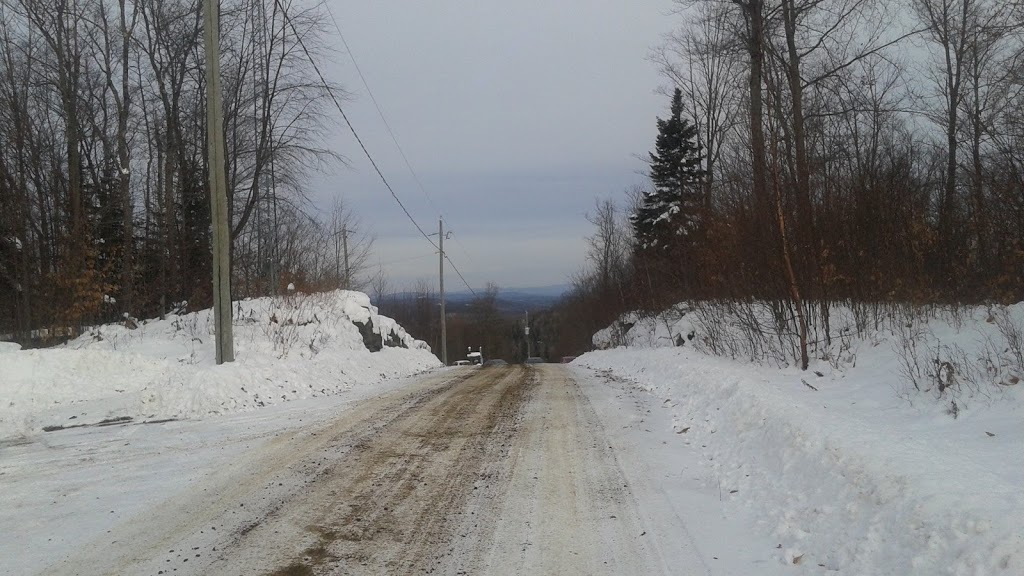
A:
(765, 332)
(712, 336)
(286, 316)
(909, 336)
(671, 319)
(188, 325)
(947, 371)
(749, 329)
(1012, 332)
(843, 350)
(860, 311)
(952, 373)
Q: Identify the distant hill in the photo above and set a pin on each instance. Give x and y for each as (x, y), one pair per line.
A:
(518, 299)
(510, 301)
(555, 291)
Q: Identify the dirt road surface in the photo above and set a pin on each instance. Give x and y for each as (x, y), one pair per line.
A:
(504, 470)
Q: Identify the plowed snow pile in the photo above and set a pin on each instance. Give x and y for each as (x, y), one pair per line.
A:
(850, 468)
(298, 346)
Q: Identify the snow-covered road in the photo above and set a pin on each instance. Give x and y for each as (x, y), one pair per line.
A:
(540, 470)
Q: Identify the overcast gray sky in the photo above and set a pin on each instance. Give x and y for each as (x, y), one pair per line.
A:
(516, 115)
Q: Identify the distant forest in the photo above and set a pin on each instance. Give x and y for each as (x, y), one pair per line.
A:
(489, 319)
(822, 151)
(810, 153)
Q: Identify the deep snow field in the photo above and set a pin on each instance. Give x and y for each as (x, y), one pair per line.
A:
(846, 468)
(853, 469)
(286, 348)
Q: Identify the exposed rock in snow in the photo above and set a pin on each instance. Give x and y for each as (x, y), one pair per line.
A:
(297, 346)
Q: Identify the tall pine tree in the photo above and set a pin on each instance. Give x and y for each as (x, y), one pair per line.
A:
(672, 209)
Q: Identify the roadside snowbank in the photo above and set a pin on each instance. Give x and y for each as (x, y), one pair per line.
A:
(853, 475)
(299, 346)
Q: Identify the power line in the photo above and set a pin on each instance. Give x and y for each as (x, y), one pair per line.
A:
(330, 91)
(454, 267)
(380, 112)
(464, 251)
(387, 126)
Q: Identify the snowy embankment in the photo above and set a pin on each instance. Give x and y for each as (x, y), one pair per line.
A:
(853, 469)
(287, 348)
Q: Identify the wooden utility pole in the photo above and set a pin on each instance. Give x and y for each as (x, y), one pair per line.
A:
(218, 186)
(444, 328)
(526, 332)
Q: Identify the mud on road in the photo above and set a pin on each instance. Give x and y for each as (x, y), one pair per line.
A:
(500, 470)
(394, 503)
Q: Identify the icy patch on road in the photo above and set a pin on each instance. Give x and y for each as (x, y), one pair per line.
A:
(299, 346)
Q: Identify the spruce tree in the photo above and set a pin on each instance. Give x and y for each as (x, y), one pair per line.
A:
(672, 209)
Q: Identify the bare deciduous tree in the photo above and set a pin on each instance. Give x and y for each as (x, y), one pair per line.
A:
(103, 170)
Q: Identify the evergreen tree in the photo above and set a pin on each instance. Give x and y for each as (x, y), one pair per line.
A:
(672, 209)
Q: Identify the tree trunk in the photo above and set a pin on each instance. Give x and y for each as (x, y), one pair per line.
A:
(67, 79)
(977, 180)
(805, 233)
(170, 162)
(128, 256)
(794, 289)
(755, 48)
(753, 11)
(161, 200)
